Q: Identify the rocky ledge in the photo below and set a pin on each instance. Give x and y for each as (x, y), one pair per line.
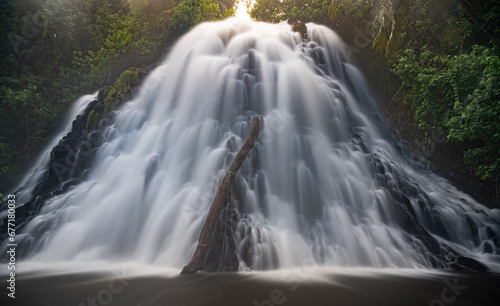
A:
(71, 158)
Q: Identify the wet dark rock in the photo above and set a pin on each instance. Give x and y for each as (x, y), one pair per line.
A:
(439, 255)
(151, 170)
(252, 61)
(72, 157)
(112, 97)
(463, 263)
(300, 27)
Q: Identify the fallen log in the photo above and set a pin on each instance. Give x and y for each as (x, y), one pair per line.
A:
(221, 200)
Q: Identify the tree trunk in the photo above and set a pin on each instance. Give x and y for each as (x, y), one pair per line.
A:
(220, 200)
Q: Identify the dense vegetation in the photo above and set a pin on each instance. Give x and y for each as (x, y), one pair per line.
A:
(436, 64)
(53, 51)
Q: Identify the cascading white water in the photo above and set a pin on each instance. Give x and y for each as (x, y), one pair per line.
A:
(325, 183)
(33, 176)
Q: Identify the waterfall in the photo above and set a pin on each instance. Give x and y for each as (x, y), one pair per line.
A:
(325, 183)
(34, 174)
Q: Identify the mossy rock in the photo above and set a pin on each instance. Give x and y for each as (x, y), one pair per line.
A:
(300, 27)
(90, 119)
(122, 89)
(110, 98)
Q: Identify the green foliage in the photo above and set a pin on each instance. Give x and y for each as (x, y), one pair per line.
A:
(115, 32)
(113, 96)
(120, 89)
(398, 25)
(279, 10)
(6, 169)
(20, 96)
(445, 86)
(190, 12)
(267, 10)
(91, 120)
(424, 42)
(229, 13)
(51, 52)
(150, 7)
(476, 120)
(459, 93)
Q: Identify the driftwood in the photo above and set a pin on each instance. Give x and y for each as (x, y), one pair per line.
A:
(220, 199)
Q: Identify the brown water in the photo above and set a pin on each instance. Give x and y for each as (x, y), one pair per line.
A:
(353, 286)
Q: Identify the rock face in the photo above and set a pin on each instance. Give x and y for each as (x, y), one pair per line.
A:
(112, 97)
(298, 26)
(439, 255)
(74, 153)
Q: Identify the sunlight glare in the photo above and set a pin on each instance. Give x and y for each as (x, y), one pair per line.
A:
(242, 9)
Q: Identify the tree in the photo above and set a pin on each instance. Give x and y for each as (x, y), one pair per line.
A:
(190, 12)
(459, 94)
(475, 119)
(53, 51)
(279, 10)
